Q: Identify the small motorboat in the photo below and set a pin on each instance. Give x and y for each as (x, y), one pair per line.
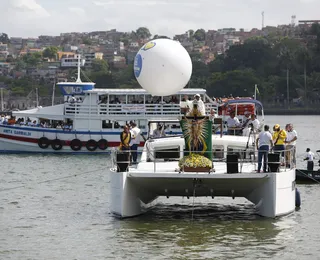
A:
(304, 175)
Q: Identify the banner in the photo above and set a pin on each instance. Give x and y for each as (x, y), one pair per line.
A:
(133, 108)
(197, 133)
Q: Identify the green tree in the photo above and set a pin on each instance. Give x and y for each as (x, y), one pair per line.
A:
(200, 35)
(50, 52)
(32, 59)
(143, 33)
(87, 41)
(160, 37)
(4, 38)
(100, 65)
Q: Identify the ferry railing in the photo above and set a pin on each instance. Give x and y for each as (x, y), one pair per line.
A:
(128, 109)
(235, 160)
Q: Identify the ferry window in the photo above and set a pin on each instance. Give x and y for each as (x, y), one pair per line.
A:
(106, 124)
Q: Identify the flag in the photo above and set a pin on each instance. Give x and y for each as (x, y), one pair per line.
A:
(197, 132)
(257, 90)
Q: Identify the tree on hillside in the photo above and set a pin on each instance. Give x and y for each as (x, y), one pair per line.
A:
(200, 35)
(4, 38)
(50, 52)
(32, 59)
(143, 33)
(254, 53)
(160, 37)
(191, 33)
(100, 65)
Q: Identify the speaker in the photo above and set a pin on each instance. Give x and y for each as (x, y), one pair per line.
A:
(232, 163)
(273, 162)
(123, 161)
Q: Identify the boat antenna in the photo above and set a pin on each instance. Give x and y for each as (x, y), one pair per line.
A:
(79, 63)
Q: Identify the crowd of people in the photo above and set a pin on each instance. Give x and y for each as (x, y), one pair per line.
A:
(249, 123)
(281, 141)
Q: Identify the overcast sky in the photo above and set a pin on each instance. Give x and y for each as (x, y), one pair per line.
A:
(31, 18)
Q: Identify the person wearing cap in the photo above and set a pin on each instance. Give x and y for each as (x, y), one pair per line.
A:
(279, 136)
(309, 158)
(198, 103)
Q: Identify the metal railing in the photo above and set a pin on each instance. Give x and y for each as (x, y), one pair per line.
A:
(235, 159)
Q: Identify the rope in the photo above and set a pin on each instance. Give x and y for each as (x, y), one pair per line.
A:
(194, 195)
(52, 180)
(318, 182)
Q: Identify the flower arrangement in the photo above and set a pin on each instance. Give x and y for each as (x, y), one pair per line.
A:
(194, 160)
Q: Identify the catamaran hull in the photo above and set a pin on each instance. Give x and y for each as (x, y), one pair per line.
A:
(272, 193)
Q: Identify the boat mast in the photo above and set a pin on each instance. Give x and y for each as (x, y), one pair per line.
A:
(37, 97)
(53, 90)
(1, 99)
(79, 62)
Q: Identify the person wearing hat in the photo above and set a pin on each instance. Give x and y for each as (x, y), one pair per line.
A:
(198, 103)
(309, 159)
(279, 137)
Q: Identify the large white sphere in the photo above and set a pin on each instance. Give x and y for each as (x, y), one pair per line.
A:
(163, 67)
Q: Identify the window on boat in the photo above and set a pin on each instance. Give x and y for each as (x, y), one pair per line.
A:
(168, 154)
(106, 124)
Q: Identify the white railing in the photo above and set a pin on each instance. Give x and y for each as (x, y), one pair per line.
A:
(143, 110)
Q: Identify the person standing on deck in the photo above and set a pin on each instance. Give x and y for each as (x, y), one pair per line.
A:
(245, 124)
(125, 139)
(200, 105)
(135, 141)
(291, 142)
(279, 136)
(264, 143)
(309, 159)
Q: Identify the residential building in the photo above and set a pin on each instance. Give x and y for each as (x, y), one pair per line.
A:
(16, 42)
(119, 62)
(71, 62)
(89, 57)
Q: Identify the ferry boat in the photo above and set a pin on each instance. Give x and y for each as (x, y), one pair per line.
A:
(90, 120)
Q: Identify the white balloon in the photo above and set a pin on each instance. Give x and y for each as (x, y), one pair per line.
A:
(162, 67)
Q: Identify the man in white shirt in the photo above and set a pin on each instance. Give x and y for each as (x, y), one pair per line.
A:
(232, 123)
(291, 142)
(264, 143)
(200, 105)
(309, 158)
(135, 141)
(159, 132)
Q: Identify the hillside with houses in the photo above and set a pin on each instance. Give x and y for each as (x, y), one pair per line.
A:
(225, 61)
